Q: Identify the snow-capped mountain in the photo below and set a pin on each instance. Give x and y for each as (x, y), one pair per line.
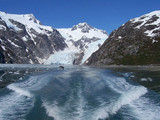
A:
(82, 41)
(150, 22)
(23, 39)
(136, 42)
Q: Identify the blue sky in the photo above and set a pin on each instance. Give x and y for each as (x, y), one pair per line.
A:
(102, 14)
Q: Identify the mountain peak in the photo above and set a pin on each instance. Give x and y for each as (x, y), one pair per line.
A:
(157, 12)
(147, 16)
(2, 12)
(20, 32)
(19, 17)
(150, 21)
(31, 17)
(136, 42)
(84, 27)
(84, 24)
(28, 20)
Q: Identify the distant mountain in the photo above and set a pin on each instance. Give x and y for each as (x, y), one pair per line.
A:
(82, 40)
(23, 39)
(137, 42)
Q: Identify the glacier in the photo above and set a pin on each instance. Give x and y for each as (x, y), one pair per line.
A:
(82, 40)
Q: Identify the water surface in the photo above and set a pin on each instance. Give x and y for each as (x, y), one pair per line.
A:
(76, 93)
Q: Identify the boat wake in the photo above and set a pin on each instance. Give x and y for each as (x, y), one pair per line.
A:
(81, 94)
(16, 104)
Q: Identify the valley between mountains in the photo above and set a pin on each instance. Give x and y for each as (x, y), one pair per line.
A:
(24, 40)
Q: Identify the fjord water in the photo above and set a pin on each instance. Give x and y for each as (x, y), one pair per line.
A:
(76, 93)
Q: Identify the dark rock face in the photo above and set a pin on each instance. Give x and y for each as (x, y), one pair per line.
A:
(83, 26)
(137, 42)
(2, 58)
(81, 43)
(26, 45)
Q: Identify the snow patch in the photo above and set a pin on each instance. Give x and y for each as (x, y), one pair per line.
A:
(41, 61)
(119, 37)
(26, 50)
(28, 20)
(30, 61)
(13, 43)
(24, 38)
(3, 47)
(67, 33)
(2, 27)
(145, 20)
(150, 32)
(153, 41)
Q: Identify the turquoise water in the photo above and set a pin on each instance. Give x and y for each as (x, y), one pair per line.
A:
(76, 93)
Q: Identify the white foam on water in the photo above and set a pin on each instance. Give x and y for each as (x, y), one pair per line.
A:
(18, 90)
(33, 83)
(17, 103)
(145, 109)
(53, 110)
(81, 105)
(20, 99)
(62, 112)
(65, 74)
(125, 99)
(15, 106)
(128, 93)
(68, 73)
(89, 73)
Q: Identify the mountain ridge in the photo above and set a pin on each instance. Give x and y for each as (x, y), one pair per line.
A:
(24, 40)
(136, 42)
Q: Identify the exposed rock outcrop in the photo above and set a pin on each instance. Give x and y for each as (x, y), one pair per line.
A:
(137, 42)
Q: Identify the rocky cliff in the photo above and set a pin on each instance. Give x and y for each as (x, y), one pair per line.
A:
(137, 42)
(24, 40)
